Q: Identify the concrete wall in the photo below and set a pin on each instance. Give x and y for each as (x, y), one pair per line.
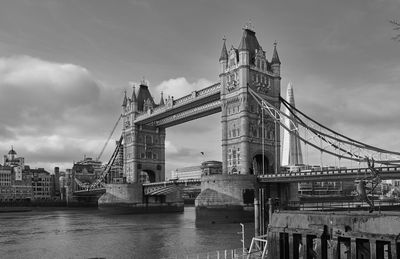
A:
(333, 235)
(341, 223)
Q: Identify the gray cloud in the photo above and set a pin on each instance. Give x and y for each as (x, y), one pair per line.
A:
(53, 112)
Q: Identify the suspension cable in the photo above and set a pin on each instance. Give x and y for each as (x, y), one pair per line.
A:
(346, 153)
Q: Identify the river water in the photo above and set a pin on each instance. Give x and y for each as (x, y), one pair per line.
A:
(89, 233)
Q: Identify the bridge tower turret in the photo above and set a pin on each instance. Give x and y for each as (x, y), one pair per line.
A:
(223, 59)
(275, 62)
(144, 145)
(134, 101)
(248, 138)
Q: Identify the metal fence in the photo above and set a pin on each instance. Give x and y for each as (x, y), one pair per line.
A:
(221, 254)
(343, 205)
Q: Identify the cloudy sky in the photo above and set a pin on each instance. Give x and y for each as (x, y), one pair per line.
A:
(64, 66)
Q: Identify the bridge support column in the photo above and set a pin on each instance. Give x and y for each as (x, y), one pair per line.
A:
(225, 199)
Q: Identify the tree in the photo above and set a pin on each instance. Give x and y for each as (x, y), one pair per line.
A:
(396, 27)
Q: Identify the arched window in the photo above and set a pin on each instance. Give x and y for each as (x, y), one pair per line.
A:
(149, 139)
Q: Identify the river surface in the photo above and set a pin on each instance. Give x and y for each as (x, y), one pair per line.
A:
(88, 233)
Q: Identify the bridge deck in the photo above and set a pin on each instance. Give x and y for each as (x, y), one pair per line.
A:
(386, 173)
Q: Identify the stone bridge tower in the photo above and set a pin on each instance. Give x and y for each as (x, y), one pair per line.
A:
(248, 139)
(144, 145)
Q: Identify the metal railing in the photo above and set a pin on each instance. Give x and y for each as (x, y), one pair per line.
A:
(220, 254)
(342, 205)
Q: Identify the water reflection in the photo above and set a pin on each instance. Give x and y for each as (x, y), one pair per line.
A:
(90, 233)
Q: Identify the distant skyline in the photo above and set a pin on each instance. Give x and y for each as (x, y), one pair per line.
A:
(64, 66)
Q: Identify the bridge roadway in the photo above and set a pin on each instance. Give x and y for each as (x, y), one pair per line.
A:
(160, 188)
(156, 188)
(386, 173)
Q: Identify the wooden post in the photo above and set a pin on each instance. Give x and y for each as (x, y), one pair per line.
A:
(353, 248)
(304, 243)
(277, 239)
(393, 249)
(372, 243)
(332, 249)
(291, 246)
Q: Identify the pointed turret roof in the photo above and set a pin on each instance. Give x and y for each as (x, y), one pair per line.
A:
(224, 52)
(143, 95)
(161, 99)
(125, 101)
(133, 94)
(275, 56)
(249, 42)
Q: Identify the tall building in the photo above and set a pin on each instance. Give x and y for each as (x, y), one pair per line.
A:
(41, 184)
(14, 186)
(55, 181)
(185, 173)
(291, 152)
(11, 159)
(87, 170)
(195, 172)
(211, 167)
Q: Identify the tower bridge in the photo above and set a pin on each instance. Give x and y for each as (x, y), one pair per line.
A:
(248, 97)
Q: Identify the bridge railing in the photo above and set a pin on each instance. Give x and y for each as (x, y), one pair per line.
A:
(186, 181)
(220, 254)
(210, 89)
(349, 205)
(330, 172)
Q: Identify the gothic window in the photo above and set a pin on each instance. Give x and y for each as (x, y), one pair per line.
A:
(149, 155)
(154, 156)
(262, 65)
(142, 155)
(148, 139)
